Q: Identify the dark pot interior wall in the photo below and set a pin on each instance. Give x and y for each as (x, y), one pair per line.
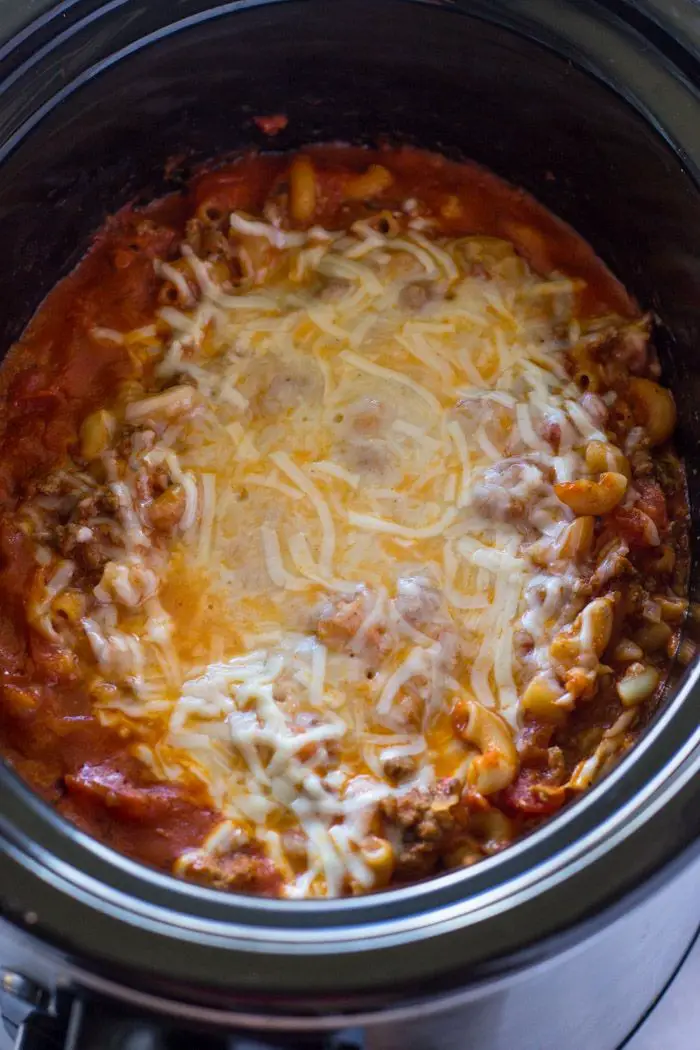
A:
(361, 71)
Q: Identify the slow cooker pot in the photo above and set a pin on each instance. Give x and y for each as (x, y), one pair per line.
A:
(566, 939)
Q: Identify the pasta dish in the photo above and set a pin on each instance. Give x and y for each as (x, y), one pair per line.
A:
(341, 540)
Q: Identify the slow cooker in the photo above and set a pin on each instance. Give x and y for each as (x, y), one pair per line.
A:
(563, 941)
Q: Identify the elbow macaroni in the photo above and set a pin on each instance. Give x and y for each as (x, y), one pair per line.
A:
(302, 190)
(653, 407)
(497, 764)
(593, 497)
(370, 184)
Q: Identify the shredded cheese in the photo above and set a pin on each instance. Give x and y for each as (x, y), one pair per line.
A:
(360, 480)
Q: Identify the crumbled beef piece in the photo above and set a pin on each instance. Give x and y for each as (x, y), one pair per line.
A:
(193, 235)
(334, 289)
(631, 347)
(91, 556)
(55, 495)
(75, 540)
(53, 485)
(533, 741)
(101, 503)
(523, 643)
(134, 439)
(66, 538)
(635, 597)
(428, 823)
(627, 348)
(653, 503)
(339, 622)
(369, 456)
(80, 539)
(505, 490)
(216, 245)
(208, 240)
(415, 296)
(400, 767)
(241, 871)
(276, 384)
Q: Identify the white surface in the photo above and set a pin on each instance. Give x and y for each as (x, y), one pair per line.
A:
(674, 1024)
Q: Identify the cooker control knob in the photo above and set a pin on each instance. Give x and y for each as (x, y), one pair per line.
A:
(21, 987)
(23, 1008)
(19, 997)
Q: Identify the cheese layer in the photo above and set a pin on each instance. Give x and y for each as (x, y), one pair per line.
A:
(360, 447)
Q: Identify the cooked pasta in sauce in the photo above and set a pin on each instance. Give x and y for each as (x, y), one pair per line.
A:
(341, 540)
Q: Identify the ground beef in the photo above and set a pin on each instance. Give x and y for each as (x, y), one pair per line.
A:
(72, 540)
(339, 622)
(90, 555)
(506, 490)
(428, 825)
(533, 742)
(415, 296)
(52, 485)
(628, 347)
(102, 503)
(277, 385)
(400, 768)
(244, 871)
(631, 346)
(334, 289)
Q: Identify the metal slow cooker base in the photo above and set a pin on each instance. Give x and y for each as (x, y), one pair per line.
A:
(582, 999)
(673, 1021)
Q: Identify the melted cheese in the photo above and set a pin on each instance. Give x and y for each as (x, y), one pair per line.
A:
(330, 448)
